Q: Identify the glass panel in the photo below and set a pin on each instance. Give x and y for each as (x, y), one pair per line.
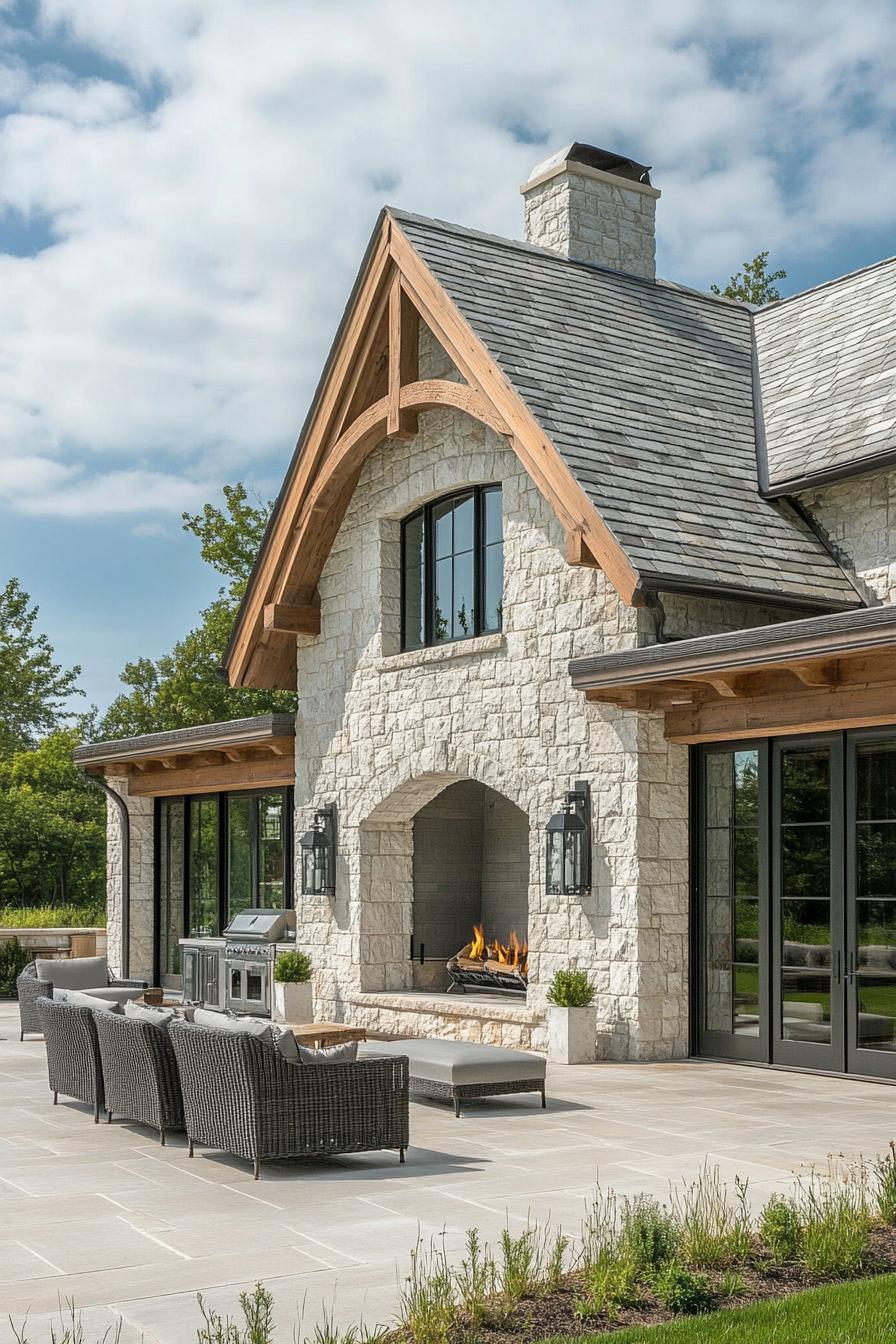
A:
(463, 596)
(443, 528)
(806, 785)
(203, 867)
(271, 851)
(492, 526)
(876, 934)
(464, 520)
(171, 888)
(806, 930)
(731, 889)
(876, 859)
(876, 781)
(806, 861)
(254, 992)
(493, 587)
(806, 1009)
(443, 601)
(414, 586)
(877, 1012)
(240, 894)
(746, 1001)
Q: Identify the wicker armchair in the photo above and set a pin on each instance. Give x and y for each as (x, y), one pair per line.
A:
(30, 989)
(74, 1066)
(242, 1096)
(140, 1077)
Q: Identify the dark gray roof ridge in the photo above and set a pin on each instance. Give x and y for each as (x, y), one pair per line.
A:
(521, 245)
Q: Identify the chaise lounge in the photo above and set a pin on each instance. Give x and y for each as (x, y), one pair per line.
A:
(461, 1071)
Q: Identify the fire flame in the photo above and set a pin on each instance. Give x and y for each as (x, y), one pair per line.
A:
(513, 954)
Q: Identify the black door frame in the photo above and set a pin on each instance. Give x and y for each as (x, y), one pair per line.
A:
(853, 1061)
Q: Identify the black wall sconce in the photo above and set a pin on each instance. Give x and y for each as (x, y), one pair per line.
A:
(318, 846)
(568, 844)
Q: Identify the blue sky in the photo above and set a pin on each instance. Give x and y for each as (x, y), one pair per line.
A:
(186, 188)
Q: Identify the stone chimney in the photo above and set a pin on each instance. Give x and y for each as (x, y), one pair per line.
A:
(591, 205)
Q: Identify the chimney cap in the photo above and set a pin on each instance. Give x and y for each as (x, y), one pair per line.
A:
(592, 157)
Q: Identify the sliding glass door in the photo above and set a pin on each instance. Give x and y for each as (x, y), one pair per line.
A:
(795, 901)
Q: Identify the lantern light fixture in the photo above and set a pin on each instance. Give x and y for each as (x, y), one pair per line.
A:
(318, 846)
(568, 844)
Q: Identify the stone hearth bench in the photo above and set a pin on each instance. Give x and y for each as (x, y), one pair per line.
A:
(462, 1071)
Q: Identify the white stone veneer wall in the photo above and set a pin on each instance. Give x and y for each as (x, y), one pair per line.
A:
(140, 811)
(859, 517)
(609, 222)
(382, 732)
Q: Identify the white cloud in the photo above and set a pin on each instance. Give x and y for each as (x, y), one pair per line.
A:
(207, 238)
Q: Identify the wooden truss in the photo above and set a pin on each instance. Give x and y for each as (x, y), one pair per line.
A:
(370, 392)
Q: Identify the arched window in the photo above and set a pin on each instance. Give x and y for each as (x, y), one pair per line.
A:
(452, 568)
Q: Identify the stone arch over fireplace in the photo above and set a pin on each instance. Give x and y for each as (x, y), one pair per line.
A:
(387, 866)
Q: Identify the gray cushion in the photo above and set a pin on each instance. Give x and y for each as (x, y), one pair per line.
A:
(76, 973)
(156, 1017)
(331, 1054)
(286, 1043)
(114, 993)
(461, 1062)
(79, 1000)
(238, 1026)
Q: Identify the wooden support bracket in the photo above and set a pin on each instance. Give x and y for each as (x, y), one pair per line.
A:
(292, 619)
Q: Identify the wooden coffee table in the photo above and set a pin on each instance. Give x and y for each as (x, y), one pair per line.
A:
(318, 1035)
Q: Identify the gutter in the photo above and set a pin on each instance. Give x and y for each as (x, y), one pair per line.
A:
(125, 818)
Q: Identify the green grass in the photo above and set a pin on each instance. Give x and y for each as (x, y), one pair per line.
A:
(53, 917)
(862, 1312)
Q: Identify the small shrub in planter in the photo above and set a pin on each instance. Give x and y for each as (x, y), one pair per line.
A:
(293, 1001)
(572, 1020)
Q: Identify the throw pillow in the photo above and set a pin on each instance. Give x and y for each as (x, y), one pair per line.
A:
(332, 1054)
(286, 1043)
(75, 973)
(156, 1017)
(79, 1000)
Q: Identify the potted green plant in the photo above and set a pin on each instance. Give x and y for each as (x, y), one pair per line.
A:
(572, 1018)
(293, 1001)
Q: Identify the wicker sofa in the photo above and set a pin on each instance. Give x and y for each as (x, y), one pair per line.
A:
(74, 1067)
(88, 975)
(241, 1096)
(140, 1077)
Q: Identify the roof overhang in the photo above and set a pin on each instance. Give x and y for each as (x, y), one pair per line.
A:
(821, 673)
(239, 754)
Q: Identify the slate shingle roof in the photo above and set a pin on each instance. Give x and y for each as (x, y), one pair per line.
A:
(827, 361)
(646, 391)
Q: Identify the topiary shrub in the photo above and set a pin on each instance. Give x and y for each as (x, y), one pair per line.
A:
(571, 989)
(293, 968)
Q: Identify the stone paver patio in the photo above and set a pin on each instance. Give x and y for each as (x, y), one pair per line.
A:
(131, 1231)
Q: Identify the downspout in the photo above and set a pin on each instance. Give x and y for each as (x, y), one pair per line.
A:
(125, 817)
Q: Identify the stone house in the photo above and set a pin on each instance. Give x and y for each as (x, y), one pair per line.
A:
(552, 521)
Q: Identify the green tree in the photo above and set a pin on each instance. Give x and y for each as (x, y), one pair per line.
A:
(33, 686)
(186, 686)
(753, 284)
(52, 827)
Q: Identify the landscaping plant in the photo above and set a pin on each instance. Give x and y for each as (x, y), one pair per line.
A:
(836, 1220)
(570, 989)
(476, 1280)
(681, 1291)
(781, 1230)
(885, 1173)
(293, 968)
(13, 960)
(714, 1233)
(648, 1236)
(427, 1303)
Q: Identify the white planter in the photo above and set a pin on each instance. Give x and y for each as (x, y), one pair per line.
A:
(572, 1033)
(293, 1003)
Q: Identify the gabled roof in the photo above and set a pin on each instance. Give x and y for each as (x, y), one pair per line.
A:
(827, 361)
(646, 390)
(630, 403)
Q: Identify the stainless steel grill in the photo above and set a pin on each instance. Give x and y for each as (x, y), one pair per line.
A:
(252, 938)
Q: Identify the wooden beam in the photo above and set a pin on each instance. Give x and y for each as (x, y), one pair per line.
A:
(266, 773)
(809, 710)
(577, 550)
(289, 619)
(403, 338)
(815, 674)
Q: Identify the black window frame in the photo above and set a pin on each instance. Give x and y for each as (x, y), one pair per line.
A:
(478, 494)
